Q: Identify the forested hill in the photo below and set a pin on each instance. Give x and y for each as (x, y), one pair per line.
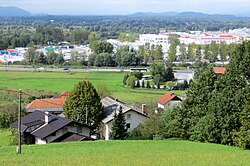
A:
(12, 11)
(183, 14)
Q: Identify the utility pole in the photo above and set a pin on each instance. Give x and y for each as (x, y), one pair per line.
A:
(19, 124)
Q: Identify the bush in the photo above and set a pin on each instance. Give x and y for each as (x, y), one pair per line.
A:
(130, 82)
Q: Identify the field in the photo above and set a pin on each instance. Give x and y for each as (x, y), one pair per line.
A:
(59, 82)
(157, 152)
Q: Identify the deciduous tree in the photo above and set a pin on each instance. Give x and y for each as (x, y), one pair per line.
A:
(84, 104)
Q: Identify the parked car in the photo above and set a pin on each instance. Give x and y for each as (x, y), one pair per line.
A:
(65, 68)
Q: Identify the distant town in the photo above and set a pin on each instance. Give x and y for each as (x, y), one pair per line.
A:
(193, 37)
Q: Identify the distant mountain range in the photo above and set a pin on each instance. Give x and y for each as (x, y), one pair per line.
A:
(182, 14)
(12, 11)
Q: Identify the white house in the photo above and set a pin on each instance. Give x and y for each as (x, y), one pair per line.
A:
(133, 116)
(168, 100)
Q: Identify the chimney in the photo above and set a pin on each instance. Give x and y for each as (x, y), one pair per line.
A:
(47, 117)
(143, 108)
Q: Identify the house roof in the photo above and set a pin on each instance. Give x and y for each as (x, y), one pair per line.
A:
(53, 104)
(63, 95)
(69, 137)
(35, 124)
(30, 122)
(54, 125)
(219, 70)
(111, 105)
(164, 99)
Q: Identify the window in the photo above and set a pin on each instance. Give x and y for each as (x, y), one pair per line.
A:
(128, 125)
(128, 116)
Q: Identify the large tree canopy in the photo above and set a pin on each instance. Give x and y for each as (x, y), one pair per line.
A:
(84, 102)
(217, 106)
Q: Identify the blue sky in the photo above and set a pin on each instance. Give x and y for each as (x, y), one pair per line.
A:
(107, 7)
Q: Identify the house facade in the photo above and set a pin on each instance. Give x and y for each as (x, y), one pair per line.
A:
(42, 128)
(133, 116)
(168, 100)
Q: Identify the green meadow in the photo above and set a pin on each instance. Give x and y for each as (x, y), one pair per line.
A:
(59, 82)
(145, 153)
(4, 138)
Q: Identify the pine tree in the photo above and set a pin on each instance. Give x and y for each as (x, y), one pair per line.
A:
(137, 84)
(84, 102)
(148, 85)
(119, 130)
(142, 84)
(125, 79)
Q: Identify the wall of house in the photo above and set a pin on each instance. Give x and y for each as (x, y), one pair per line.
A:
(70, 128)
(40, 141)
(172, 103)
(160, 106)
(169, 104)
(132, 118)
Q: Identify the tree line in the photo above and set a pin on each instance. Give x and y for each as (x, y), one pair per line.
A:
(216, 109)
(20, 32)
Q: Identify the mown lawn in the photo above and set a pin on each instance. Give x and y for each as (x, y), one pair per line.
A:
(58, 82)
(146, 153)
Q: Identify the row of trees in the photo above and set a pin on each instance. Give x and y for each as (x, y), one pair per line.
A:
(211, 52)
(124, 56)
(42, 36)
(216, 109)
(113, 26)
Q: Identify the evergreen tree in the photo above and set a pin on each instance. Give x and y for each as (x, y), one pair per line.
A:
(214, 51)
(137, 84)
(183, 53)
(131, 81)
(143, 84)
(125, 79)
(242, 137)
(223, 51)
(84, 102)
(172, 52)
(148, 85)
(119, 129)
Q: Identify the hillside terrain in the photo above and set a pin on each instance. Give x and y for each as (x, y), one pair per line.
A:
(164, 152)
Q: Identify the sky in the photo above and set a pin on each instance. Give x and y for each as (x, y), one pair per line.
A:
(120, 7)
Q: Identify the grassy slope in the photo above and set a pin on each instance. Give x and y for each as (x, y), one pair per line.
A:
(4, 138)
(168, 152)
(59, 82)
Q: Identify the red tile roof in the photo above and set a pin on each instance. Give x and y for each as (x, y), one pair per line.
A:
(46, 103)
(219, 70)
(166, 98)
(63, 95)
